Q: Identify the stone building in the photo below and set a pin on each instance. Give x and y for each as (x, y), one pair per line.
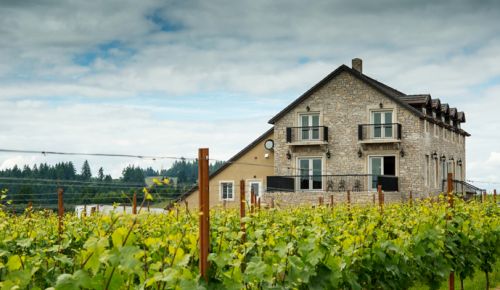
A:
(350, 132)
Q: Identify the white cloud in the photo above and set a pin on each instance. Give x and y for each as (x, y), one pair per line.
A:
(256, 52)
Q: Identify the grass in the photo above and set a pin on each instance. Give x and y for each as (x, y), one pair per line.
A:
(478, 282)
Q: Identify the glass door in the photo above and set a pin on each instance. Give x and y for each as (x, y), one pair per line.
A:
(382, 124)
(376, 169)
(381, 165)
(309, 127)
(310, 177)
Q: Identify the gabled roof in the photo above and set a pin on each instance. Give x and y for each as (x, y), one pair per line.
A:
(391, 93)
(230, 161)
(436, 103)
(421, 99)
(453, 113)
(445, 108)
(461, 116)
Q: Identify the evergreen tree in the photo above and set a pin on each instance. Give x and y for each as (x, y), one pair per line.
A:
(100, 174)
(86, 174)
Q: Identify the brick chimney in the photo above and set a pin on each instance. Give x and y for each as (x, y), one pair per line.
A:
(357, 64)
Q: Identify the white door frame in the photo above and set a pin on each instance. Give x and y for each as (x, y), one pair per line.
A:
(310, 158)
(396, 167)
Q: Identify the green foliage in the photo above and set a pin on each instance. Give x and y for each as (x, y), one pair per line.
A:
(295, 248)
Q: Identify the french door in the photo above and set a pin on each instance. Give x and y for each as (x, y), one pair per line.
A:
(381, 165)
(382, 124)
(309, 127)
(310, 177)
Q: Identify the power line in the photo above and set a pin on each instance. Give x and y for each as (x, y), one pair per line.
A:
(70, 181)
(94, 154)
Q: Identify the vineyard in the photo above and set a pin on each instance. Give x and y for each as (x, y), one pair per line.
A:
(341, 247)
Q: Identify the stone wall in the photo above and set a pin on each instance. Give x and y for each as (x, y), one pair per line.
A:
(284, 199)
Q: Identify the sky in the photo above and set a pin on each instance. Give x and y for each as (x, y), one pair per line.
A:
(167, 77)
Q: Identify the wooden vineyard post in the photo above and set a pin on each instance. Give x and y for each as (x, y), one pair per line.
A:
(380, 198)
(258, 203)
(349, 199)
(204, 210)
(272, 202)
(411, 198)
(331, 201)
(60, 208)
(29, 208)
(242, 209)
(84, 213)
(148, 207)
(224, 204)
(451, 279)
(134, 203)
(495, 196)
(320, 201)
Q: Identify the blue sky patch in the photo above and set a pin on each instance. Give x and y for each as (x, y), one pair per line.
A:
(114, 51)
(163, 23)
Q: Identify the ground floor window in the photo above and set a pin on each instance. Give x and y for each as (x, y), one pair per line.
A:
(310, 173)
(381, 165)
(226, 190)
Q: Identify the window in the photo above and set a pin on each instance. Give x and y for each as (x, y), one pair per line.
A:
(310, 170)
(226, 190)
(309, 124)
(427, 170)
(444, 170)
(382, 124)
(381, 165)
(436, 173)
(426, 126)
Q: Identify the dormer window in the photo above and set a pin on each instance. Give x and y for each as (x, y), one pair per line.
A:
(424, 110)
(434, 114)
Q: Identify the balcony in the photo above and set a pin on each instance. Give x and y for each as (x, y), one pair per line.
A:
(311, 135)
(466, 190)
(332, 183)
(379, 133)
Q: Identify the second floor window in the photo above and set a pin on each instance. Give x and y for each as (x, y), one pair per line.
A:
(382, 124)
(309, 124)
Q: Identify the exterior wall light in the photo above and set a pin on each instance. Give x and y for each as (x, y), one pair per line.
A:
(288, 155)
(360, 153)
(328, 154)
(435, 155)
(402, 152)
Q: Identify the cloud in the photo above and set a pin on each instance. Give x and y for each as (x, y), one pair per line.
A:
(166, 77)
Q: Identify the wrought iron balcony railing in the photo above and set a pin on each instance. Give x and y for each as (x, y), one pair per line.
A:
(309, 134)
(379, 132)
(463, 187)
(332, 183)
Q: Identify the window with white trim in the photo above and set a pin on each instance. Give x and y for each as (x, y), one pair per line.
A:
(309, 124)
(226, 190)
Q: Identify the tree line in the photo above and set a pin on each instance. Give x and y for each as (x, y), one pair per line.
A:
(38, 183)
